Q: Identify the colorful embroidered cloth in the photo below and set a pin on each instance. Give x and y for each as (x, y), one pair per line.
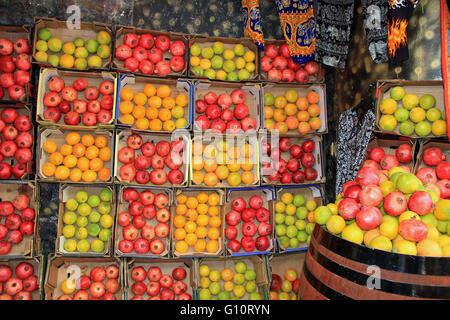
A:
(445, 57)
(299, 26)
(252, 22)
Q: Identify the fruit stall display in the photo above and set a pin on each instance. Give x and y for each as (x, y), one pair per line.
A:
(17, 219)
(143, 222)
(249, 221)
(86, 220)
(74, 156)
(149, 52)
(17, 142)
(151, 159)
(277, 65)
(71, 278)
(226, 107)
(411, 108)
(76, 99)
(198, 223)
(293, 161)
(155, 105)
(223, 58)
(84, 48)
(294, 216)
(159, 279)
(284, 273)
(294, 110)
(241, 278)
(15, 63)
(21, 279)
(224, 161)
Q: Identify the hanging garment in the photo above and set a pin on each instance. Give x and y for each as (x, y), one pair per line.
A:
(334, 19)
(252, 22)
(375, 23)
(353, 137)
(298, 25)
(398, 15)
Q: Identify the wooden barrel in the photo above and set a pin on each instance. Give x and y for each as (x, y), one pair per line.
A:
(335, 268)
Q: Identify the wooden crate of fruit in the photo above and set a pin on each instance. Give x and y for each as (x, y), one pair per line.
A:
(249, 221)
(17, 142)
(153, 105)
(213, 167)
(238, 277)
(144, 212)
(224, 59)
(294, 110)
(295, 161)
(163, 160)
(412, 109)
(149, 52)
(72, 156)
(23, 279)
(18, 225)
(77, 278)
(159, 279)
(58, 45)
(86, 220)
(197, 223)
(15, 82)
(296, 204)
(276, 65)
(72, 99)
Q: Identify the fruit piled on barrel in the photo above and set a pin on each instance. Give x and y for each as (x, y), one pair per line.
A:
(15, 65)
(19, 283)
(286, 289)
(78, 103)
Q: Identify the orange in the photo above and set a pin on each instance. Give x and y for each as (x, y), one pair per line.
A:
(234, 166)
(247, 177)
(201, 232)
(246, 150)
(215, 222)
(269, 124)
(247, 165)
(315, 123)
(125, 107)
(303, 127)
(66, 149)
(149, 90)
(155, 125)
(212, 246)
(142, 124)
(48, 169)
(50, 146)
(179, 234)
(181, 198)
(152, 113)
(191, 215)
(126, 94)
(291, 123)
(95, 164)
(104, 174)
(213, 233)
(200, 246)
(163, 91)
(202, 220)
(56, 158)
(127, 119)
(202, 197)
(154, 102)
(62, 173)
(192, 202)
(227, 274)
(89, 176)
(181, 246)
(268, 113)
(202, 208)
(73, 138)
(210, 151)
(279, 115)
(70, 161)
(138, 112)
(222, 172)
(197, 148)
(197, 163)
(83, 163)
(140, 98)
(290, 109)
(190, 226)
(281, 127)
(87, 140)
(311, 216)
(210, 179)
(314, 110)
(302, 103)
(75, 175)
(79, 150)
(313, 97)
(169, 125)
(181, 100)
(213, 211)
(181, 209)
(280, 102)
(210, 165)
(303, 116)
(233, 153)
(197, 177)
(179, 221)
(105, 154)
(91, 152)
(213, 199)
(168, 103)
(101, 141)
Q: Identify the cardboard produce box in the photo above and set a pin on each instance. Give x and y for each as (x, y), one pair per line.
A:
(268, 196)
(205, 41)
(302, 91)
(191, 252)
(252, 98)
(22, 110)
(13, 33)
(426, 144)
(312, 192)
(121, 142)
(173, 36)
(272, 139)
(59, 29)
(94, 79)
(137, 84)
(38, 263)
(8, 191)
(62, 268)
(166, 266)
(318, 77)
(202, 145)
(419, 88)
(68, 191)
(255, 262)
(123, 206)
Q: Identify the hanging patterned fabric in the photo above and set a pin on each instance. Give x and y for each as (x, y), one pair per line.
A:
(298, 25)
(375, 23)
(252, 22)
(398, 15)
(334, 20)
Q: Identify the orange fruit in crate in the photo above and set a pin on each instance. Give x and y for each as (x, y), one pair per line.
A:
(164, 114)
(179, 234)
(191, 214)
(56, 158)
(139, 111)
(168, 103)
(212, 246)
(234, 166)
(181, 198)
(154, 102)
(75, 175)
(62, 173)
(213, 233)
(66, 149)
(142, 124)
(197, 163)
(89, 176)
(169, 125)
(181, 246)
(104, 174)
(202, 208)
(222, 172)
(313, 97)
(96, 164)
(269, 124)
(210, 165)
(197, 148)
(140, 98)
(233, 153)
(73, 138)
(126, 94)
(152, 113)
(83, 163)
(78, 150)
(213, 199)
(192, 202)
(181, 100)
(311, 216)
(268, 112)
(290, 109)
(279, 115)
(314, 110)
(303, 127)
(202, 197)
(201, 232)
(163, 91)
(149, 90)
(302, 103)
(247, 165)
(246, 150)
(48, 169)
(200, 246)
(70, 161)
(215, 221)
(197, 177)
(202, 220)
(126, 107)
(247, 177)
(179, 221)
(50, 146)
(213, 211)
(303, 116)
(91, 152)
(210, 179)
(291, 123)
(127, 119)
(280, 102)
(155, 125)
(181, 209)
(191, 238)
(101, 141)
(105, 154)
(227, 274)
(87, 140)
(281, 127)
(315, 123)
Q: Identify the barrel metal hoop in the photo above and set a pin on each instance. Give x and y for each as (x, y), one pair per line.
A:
(321, 287)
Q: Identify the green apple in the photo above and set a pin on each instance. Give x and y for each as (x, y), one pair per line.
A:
(250, 275)
(104, 235)
(291, 231)
(239, 291)
(82, 221)
(224, 295)
(293, 242)
(280, 218)
(255, 296)
(210, 73)
(81, 233)
(229, 66)
(93, 200)
(301, 213)
(41, 45)
(78, 42)
(269, 99)
(280, 230)
(55, 44)
(250, 286)
(81, 196)
(232, 76)
(207, 52)
(216, 62)
(84, 209)
(69, 217)
(240, 267)
(91, 46)
(106, 221)
(71, 205)
(83, 245)
(93, 229)
(70, 245)
(94, 61)
(204, 270)
(284, 242)
(98, 246)
(80, 63)
(204, 294)
(104, 207)
(239, 50)
(238, 278)
(302, 235)
(68, 231)
(44, 34)
(94, 217)
(243, 74)
(195, 50)
(214, 275)
(104, 51)
(103, 37)
(81, 52)
(218, 47)
(53, 59)
(198, 71)
(214, 287)
(300, 224)
(289, 221)
(228, 54)
(106, 195)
